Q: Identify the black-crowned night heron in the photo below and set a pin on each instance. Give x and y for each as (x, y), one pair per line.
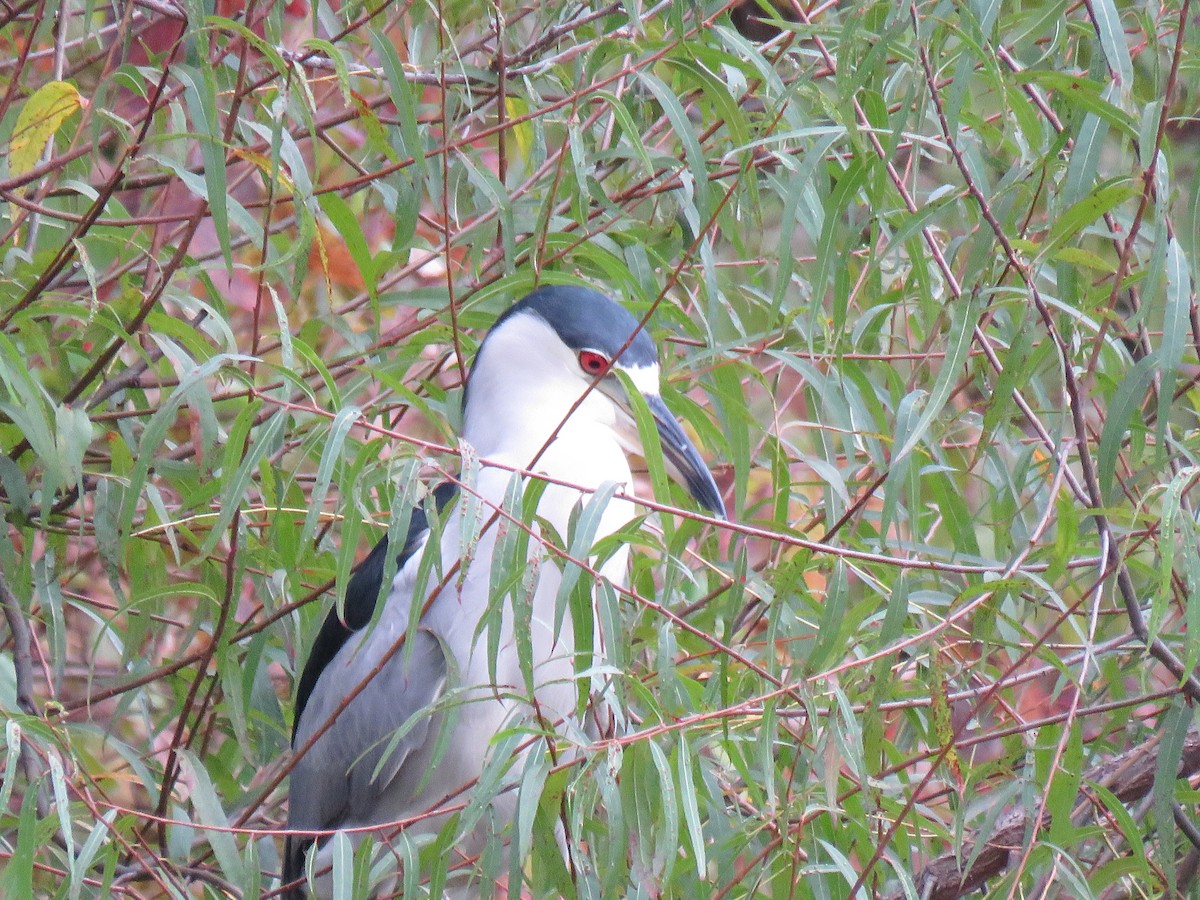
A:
(542, 395)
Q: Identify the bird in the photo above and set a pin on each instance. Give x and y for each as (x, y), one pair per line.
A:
(380, 741)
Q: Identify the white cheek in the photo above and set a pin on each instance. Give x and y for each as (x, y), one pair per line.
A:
(644, 378)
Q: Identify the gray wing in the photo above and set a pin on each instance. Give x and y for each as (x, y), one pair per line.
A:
(336, 780)
(343, 776)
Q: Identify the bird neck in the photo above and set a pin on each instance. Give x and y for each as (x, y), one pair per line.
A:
(534, 426)
(580, 457)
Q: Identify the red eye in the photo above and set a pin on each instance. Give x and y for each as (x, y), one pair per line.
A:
(592, 362)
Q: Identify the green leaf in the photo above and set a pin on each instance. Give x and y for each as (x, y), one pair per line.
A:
(402, 98)
(964, 316)
(242, 467)
(1064, 787)
(691, 811)
(1079, 91)
(1113, 42)
(82, 864)
(1074, 221)
(331, 455)
(209, 812)
(12, 748)
(667, 833)
(529, 796)
(346, 224)
(1126, 401)
(1173, 729)
(696, 189)
(17, 877)
(342, 855)
(1179, 291)
(200, 91)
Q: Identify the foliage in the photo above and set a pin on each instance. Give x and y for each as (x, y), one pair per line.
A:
(925, 280)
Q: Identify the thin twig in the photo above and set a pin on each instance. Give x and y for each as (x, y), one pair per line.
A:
(23, 667)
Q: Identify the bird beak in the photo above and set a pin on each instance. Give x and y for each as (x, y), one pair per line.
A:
(684, 463)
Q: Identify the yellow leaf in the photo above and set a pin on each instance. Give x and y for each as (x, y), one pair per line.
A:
(515, 108)
(943, 723)
(40, 117)
(266, 167)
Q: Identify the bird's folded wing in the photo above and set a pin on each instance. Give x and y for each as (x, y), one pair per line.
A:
(353, 763)
(362, 592)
